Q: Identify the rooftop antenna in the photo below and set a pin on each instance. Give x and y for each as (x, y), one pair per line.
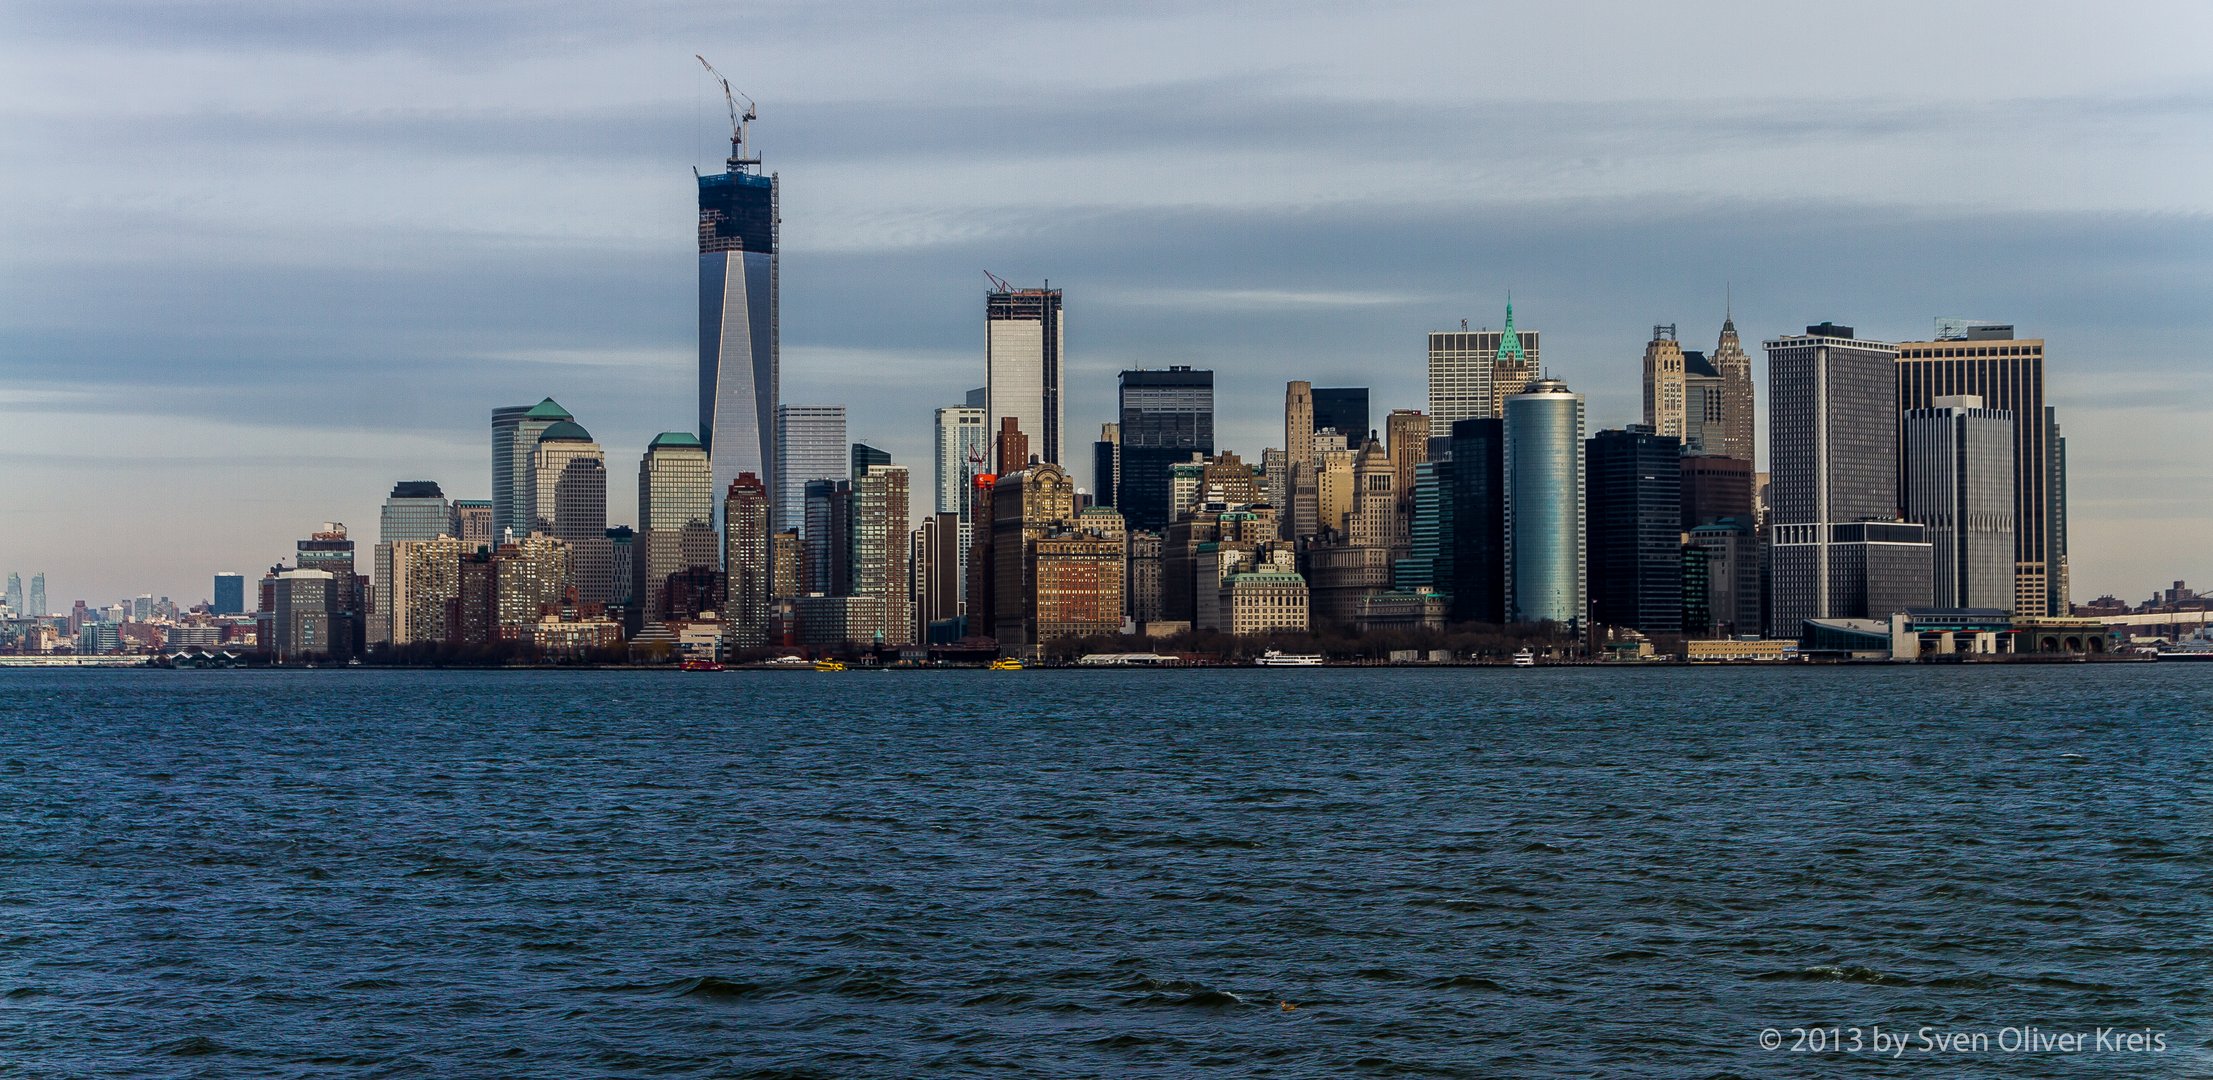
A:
(739, 161)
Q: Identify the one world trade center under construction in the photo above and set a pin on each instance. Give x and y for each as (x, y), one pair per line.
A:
(737, 310)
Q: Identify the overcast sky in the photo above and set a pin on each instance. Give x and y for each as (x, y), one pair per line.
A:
(261, 260)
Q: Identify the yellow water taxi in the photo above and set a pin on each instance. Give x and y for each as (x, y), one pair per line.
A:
(1006, 663)
(829, 665)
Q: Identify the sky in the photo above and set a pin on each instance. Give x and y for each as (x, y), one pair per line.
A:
(260, 261)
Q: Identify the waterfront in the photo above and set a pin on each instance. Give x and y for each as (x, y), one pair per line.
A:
(1444, 872)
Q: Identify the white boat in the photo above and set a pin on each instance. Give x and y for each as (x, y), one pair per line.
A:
(1525, 658)
(1276, 658)
(2198, 646)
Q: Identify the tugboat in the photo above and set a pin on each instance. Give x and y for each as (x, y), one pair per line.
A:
(1278, 658)
(1525, 658)
(1006, 663)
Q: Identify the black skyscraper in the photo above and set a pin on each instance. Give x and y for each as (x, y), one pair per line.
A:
(1478, 521)
(1635, 530)
(1343, 409)
(1166, 417)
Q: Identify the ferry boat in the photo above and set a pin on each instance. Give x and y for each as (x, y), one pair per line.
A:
(1278, 658)
(829, 665)
(2198, 646)
(701, 665)
(1006, 663)
(1525, 658)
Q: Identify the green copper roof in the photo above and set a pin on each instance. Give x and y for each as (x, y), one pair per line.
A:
(1509, 343)
(548, 409)
(673, 438)
(565, 431)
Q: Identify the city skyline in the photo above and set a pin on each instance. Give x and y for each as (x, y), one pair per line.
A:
(369, 398)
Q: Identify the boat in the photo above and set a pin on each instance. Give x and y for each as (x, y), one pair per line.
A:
(829, 665)
(701, 665)
(1278, 658)
(790, 661)
(2198, 646)
(1525, 658)
(1006, 663)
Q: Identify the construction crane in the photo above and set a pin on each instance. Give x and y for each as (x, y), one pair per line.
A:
(738, 121)
(998, 284)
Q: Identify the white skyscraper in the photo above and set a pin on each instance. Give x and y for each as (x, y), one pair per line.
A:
(1022, 354)
(961, 440)
(737, 314)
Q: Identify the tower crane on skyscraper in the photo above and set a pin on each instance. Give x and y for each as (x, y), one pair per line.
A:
(738, 121)
(998, 284)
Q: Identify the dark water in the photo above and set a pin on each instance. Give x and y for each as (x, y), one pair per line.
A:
(1475, 872)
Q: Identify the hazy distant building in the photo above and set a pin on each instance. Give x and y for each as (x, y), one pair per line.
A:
(738, 391)
(1960, 484)
(1837, 547)
(1546, 578)
(1022, 355)
(14, 596)
(230, 593)
(515, 431)
(676, 518)
(2007, 372)
(1166, 417)
(810, 445)
(1634, 512)
(472, 523)
(745, 559)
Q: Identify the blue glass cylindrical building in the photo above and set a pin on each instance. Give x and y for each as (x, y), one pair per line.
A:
(1544, 486)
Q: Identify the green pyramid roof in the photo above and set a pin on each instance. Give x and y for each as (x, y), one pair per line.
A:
(1509, 343)
(548, 409)
(673, 438)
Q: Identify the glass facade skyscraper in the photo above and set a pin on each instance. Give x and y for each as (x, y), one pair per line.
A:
(738, 320)
(230, 594)
(1544, 482)
(810, 445)
(1167, 416)
(515, 431)
(1634, 504)
(1343, 409)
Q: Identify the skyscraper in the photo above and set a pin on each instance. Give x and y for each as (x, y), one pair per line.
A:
(38, 609)
(230, 593)
(881, 549)
(330, 550)
(962, 450)
(676, 518)
(14, 597)
(515, 431)
(1167, 416)
(810, 445)
(1343, 409)
(569, 476)
(1838, 549)
(1664, 383)
(866, 456)
(829, 537)
(1733, 366)
(745, 561)
(1406, 435)
(1300, 517)
(1959, 483)
(1022, 356)
(738, 318)
(1477, 518)
(1635, 546)
(1546, 577)
(472, 523)
(416, 510)
(1106, 464)
(1989, 361)
(1472, 372)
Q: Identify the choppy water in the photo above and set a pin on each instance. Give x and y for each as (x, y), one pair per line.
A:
(1465, 872)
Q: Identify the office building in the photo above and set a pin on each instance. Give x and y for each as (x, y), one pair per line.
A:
(962, 451)
(230, 593)
(810, 445)
(569, 480)
(1721, 580)
(1733, 435)
(1714, 488)
(1663, 384)
(1837, 547)
(676, 518)
(1301, 512)
(1960, 484)
(2057, 590)
(1427, 564)
(1106, 464)
(1472, 372)
(37, 608)
(2006, 371)
(865, 456)
(330, 550)
(300, 625)
(1022, 356)
(1634, 548)
(738, 395)
(515, 431)
(1406, 436)
(937, 570)
(622, 552)
(1142, 595)
(1342, 409)
(415, 510)
(745, 561)
(829, 537)
(1166, 417)
(1079, 573)
(1543, 466)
